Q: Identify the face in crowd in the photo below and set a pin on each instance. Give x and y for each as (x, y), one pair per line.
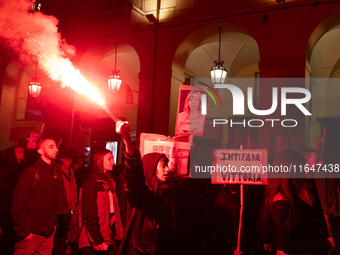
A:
(66, 162)
(48, 149)
(80, 162)
(162, 170)
(19, 153)
(108, 162)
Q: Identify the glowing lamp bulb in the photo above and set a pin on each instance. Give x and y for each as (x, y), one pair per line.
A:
(114, 81)
(218, 72)
(34, 88)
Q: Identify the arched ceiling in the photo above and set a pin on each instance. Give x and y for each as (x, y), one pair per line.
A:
(325, 58)
(238, 51)
(127, 63)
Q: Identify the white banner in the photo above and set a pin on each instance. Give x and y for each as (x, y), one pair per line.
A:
(239, 167)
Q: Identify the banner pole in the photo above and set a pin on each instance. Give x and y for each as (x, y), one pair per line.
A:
(240, 221)
(241, 216)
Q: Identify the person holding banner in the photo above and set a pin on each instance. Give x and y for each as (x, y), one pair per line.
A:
(150, 226)
(191, 121)
(287, 213)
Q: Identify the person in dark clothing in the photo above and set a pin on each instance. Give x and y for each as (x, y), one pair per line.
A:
(70, 186)
(150, 226)
(9, 173)
(99, 208)
(118, 176)
(80, 171)
(315, 209)
(287, 216)
(36, 199)
(224, 219)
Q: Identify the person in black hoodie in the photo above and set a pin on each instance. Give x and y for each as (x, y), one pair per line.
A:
(150, 225)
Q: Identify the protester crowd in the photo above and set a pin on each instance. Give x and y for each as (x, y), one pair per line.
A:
(50, 203)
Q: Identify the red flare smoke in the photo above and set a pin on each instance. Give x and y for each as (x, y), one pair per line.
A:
(35, 37)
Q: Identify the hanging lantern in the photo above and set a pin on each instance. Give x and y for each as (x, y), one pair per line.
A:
(218, 73)
(114, 81)
(34, 88)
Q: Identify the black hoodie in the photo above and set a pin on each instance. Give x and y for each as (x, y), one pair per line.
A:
(150, 225)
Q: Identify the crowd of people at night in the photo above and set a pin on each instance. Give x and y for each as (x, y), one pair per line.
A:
(52, 204)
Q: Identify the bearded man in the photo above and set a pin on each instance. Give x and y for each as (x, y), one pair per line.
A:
(37, 197)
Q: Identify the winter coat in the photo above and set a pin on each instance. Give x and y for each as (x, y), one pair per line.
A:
(150, 226)
(36, 199)
(70, 186)
(94, 213)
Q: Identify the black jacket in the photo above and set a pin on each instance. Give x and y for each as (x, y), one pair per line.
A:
(36, 199)
(150, 227)
(304, 235)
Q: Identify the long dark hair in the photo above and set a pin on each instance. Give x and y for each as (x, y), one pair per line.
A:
(287, 184)
(98, 166)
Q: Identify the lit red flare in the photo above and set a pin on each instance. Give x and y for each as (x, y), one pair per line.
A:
(63, 70)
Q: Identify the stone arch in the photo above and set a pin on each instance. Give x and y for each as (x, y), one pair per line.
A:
(323, 55)
(132, 59)
(12, 80)
(320, 30)
(196, 55)
(198, 38)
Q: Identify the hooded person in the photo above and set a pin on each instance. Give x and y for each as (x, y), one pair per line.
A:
(150, 224)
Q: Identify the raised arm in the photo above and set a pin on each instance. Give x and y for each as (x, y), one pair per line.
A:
(134, 180)
(123, 129)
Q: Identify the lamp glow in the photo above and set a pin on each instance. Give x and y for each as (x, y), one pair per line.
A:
(34, 88)
(218, 73)
(114, 82)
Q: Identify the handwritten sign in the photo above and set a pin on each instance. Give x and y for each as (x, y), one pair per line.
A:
(32, 142)
(239, 167)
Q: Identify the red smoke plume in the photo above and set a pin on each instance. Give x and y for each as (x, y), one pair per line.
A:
(35, 37)
(31, 35)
